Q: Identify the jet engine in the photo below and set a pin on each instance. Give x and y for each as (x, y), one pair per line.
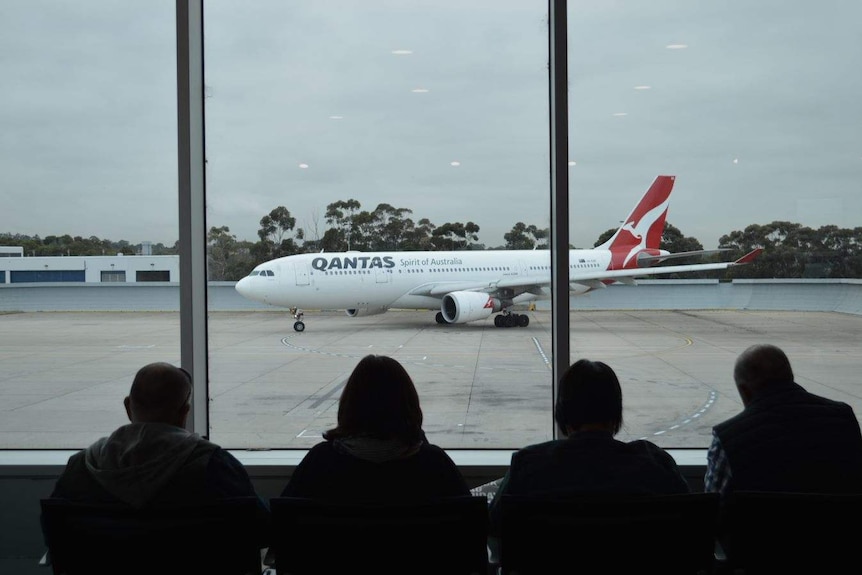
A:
(363, 311)
(464, 306)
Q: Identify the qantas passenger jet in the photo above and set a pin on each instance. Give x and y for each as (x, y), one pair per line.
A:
(468, 285)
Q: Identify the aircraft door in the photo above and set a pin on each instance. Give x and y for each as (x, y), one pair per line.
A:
(381, 276)
(522, 268)
(301, 269)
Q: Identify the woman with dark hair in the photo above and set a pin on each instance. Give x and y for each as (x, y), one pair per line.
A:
(589, 413)
(377, 451)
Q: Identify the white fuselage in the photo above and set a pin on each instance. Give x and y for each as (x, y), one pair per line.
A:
(405, 280)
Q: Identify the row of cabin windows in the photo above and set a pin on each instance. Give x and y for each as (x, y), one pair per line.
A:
(423, 270)
(571, 266)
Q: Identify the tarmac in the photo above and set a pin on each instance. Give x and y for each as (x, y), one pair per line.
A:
(63, 375)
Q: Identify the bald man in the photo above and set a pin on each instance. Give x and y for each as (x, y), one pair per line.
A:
(785, 438)
(154, 459)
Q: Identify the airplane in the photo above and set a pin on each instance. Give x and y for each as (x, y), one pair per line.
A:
(468, 286)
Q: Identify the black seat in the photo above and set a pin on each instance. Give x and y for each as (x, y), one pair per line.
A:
(443, 536)
(94, 539)
(667, 534)
(781, 532)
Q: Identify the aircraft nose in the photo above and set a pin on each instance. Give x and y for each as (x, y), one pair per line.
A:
(243, 287)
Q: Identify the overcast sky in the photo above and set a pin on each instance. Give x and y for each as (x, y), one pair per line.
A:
(437, 106)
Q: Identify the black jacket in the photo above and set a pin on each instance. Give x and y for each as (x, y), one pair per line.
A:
(791, 440)
(589, 462)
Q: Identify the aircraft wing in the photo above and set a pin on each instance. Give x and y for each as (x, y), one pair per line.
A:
(593, 278)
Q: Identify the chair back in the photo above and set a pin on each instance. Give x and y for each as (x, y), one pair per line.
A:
(668, 534)
(447, 535)
(781, 532)
(224, 537)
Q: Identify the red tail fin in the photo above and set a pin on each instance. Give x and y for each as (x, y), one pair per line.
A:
(643, 227)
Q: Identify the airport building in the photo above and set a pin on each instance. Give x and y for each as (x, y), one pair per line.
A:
(15, 267)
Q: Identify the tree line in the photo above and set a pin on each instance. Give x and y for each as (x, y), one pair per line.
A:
(791, 250)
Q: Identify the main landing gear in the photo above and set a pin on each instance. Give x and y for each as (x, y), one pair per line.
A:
(508, 319)
(505, 319)
(298, 325)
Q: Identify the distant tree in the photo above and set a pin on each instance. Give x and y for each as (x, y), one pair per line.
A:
(363, 231)
(391, 227)
(840, 251)
(313, 238)
(781, 257)
(419, 236)
(340, 215)
(455, 235)
(273, 233)
(524, 237)
(791, 250)
(227, 258)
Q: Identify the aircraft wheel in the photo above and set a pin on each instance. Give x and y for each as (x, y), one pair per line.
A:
(523, 320)
(498, 321)
(439, 317)
(511, 320)
(299, 326)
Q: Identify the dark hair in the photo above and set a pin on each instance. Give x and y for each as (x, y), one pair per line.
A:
(589, 392)
(762, 364)
(158, 390)
(379, 400)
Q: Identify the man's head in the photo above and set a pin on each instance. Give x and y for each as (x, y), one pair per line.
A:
(160, 393)
(589, 397)
(760, 367)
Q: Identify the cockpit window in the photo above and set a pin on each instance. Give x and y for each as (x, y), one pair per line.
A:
(253, 273)
(270, 273)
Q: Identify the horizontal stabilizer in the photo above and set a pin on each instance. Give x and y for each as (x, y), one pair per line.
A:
(749, 256)
(643, 258)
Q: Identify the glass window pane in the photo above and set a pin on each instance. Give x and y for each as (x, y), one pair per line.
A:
(88, 170)
(375, 125)
(753, 107)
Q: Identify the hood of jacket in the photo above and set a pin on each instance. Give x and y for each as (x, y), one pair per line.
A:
(137, 459)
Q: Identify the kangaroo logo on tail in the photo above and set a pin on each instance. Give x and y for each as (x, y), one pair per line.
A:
(643, 228)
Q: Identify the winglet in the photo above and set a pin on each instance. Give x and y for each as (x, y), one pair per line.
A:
(749, 257)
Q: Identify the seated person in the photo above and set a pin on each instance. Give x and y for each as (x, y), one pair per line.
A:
(377, 452)
(154, 459)
(589, 412)
(785, 438)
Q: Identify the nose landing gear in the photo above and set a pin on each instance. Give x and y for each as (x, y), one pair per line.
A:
(298, 325)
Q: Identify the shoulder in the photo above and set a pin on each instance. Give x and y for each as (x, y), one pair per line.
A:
(323, 450)
(645, 445)
(431, 451)
(538, 450)
(649, 448)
